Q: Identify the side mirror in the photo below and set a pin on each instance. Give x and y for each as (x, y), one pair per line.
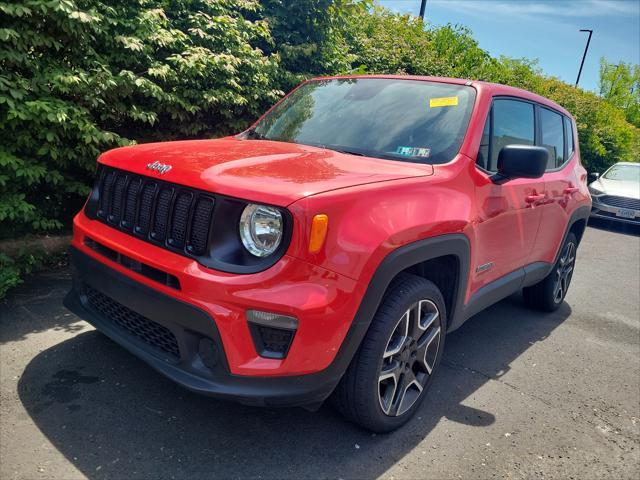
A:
(521, 161)
(594, 176)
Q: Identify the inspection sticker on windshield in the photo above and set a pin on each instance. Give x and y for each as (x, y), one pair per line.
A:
(414, 151)
(443, 102)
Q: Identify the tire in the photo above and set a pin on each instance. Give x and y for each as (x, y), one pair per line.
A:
(383, 401)
(548, 294)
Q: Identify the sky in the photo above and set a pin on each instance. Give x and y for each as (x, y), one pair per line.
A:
(547, 30)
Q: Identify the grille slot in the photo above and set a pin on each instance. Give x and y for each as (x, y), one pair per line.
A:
(161, 214)
(200, 226)
(116, 204)
(621, 202)
(130, 206)
(146, 204)
(150, 332)
(106, 185)
(180, 219)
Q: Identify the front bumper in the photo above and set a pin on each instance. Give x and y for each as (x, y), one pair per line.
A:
(205, 372)
(608, 212)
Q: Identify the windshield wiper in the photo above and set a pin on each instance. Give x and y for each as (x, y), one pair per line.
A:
(255, 135)
(341, 150)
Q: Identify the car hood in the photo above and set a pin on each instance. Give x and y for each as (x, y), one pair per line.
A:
(277, 173)
(619, 188)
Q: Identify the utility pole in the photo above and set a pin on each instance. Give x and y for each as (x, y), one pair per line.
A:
(585, 53)
(423, 5)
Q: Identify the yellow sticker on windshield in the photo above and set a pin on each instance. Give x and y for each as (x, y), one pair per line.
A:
(443, 102)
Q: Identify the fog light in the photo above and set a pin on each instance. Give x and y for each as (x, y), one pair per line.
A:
(272, 333)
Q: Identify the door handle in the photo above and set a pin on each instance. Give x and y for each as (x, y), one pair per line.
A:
(570, 190)
(535, 198)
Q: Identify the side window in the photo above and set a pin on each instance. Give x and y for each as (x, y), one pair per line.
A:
(483, 152)
(552, 136)
(513, 123)
(568, 131)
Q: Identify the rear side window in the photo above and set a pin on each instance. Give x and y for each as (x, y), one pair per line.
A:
(552, 136)
(568, 131)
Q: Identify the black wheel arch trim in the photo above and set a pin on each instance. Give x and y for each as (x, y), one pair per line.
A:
(581, 213)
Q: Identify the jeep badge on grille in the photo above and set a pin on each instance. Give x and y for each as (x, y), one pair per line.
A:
(161, 168)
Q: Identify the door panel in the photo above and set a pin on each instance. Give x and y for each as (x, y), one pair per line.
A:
(561, 182)
(507, 227)
(508, 215)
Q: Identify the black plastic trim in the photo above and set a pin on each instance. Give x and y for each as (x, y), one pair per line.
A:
(412, 254)
(258, 341)
(581, 213)
(493, 292)
(224, 250)
(143, 269)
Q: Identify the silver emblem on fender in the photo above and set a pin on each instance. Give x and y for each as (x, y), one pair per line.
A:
(485, 267)
(161, 168)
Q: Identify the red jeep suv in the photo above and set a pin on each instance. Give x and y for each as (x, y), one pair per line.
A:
(325, 251)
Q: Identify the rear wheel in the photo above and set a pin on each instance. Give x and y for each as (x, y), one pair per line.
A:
(394, 366)
(549, 293)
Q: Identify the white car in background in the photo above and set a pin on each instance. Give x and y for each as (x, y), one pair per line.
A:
(616, 193)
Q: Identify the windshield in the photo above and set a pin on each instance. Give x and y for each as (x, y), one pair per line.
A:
(397, 119)
(629, 173)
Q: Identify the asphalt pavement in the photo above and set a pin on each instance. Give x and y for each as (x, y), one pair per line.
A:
(520, 395)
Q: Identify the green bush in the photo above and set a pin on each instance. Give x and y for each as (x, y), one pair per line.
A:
(80, 77)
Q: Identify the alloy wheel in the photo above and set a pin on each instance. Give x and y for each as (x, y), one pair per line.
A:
(409, 357)
(564, 272)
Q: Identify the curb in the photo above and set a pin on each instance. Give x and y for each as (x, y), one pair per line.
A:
(48, 244)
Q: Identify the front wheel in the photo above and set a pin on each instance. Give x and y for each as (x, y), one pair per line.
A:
(394, 366)
(549, 293)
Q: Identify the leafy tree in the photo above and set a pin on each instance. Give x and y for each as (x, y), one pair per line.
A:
(307, 36)
(620, 86)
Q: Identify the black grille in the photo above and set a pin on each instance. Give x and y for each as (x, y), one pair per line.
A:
(621, 202)
(133, 323)
(173, 216)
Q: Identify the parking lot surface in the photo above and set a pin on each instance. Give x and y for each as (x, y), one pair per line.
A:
(521, 394)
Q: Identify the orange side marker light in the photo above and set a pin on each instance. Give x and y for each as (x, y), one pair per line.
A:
(318, 232)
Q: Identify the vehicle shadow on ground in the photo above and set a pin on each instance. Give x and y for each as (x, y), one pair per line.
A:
(112, 416)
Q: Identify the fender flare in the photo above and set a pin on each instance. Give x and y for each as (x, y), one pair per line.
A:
(580, 213)
(395, 262)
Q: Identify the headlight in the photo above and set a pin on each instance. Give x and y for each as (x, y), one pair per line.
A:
(261, 229)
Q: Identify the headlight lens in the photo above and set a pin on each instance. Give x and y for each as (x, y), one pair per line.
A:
(261, 229)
